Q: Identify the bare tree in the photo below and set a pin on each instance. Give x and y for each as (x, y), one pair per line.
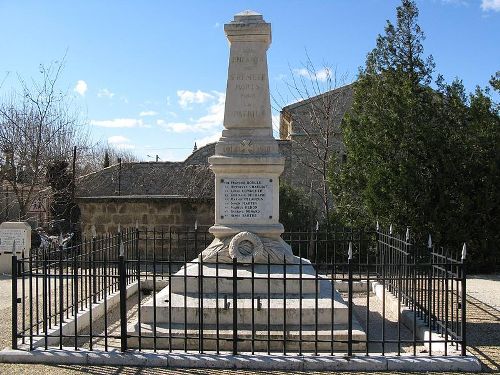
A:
(92, 158)
(312, 124)
(37, 126)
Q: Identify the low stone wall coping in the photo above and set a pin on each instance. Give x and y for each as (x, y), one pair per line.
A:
(139, 198)
(207, 361)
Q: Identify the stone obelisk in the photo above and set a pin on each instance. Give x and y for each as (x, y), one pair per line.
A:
(247, 166)
(247, 163)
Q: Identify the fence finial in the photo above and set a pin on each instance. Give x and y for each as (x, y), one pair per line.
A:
(317, 225)
(14, 248)
(94, 233)
(349, 254)
(137, 224)
(378, 226)
(407, 234)
(119, 228)
(196, 224)
(429, 242)
(390, 229)
(464, 252)
(122, 249)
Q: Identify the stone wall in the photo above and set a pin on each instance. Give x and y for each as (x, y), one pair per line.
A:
(159, 212)
(174, 215)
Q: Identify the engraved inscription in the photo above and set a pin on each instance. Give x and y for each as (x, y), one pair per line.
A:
(247, 198)
(247, 149)
(248, 85)
(8, 236)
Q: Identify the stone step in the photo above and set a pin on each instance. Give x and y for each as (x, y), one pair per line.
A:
(180, 309)
(276, 277)
(310, 338)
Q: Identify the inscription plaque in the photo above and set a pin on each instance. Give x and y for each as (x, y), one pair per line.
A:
(246, 199)
(7, 238)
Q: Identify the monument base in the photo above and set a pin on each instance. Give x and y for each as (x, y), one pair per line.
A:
(277, 305)
(309, 339)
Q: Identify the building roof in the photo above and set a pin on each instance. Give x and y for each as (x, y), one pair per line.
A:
(191, 178)
(347, 90)
(149, 178)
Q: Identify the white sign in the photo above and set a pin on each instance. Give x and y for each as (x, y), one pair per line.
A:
(247, 199)
(7, 238)
(19, 232)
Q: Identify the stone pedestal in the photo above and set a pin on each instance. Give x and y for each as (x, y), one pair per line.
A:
(277, 294)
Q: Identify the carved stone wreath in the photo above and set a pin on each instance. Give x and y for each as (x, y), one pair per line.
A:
(244, 246)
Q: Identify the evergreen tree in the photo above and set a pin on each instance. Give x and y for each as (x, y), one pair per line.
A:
(419, 156)
(295, 208)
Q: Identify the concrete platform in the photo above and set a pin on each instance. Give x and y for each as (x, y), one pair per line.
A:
(186, 309)
(208, 361)
(283, 304)
(278, 278)
(328, 338)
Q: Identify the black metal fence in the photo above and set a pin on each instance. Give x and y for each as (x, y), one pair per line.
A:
(344, 292)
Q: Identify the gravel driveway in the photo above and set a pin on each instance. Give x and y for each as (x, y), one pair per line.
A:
(483, 326)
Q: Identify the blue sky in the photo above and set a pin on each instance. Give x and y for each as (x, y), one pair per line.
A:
(150, 76)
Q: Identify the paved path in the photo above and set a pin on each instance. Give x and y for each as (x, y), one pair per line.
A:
(483, 327)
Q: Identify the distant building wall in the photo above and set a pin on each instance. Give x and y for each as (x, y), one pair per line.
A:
(172, 215)
(105, 213)
(306, 125)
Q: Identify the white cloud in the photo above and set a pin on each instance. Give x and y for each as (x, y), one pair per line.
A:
(211, 120)
(321, 75)
(490, 5)
(177, 127)
(280, 77)
(81, 87)
(121, 142)
(105, 93)
(215, 114)
(217, 25)
(148, 113)
(187, 97)
(208, 139)
(119, 123)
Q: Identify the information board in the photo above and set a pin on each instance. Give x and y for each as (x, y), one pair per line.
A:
(8, 236)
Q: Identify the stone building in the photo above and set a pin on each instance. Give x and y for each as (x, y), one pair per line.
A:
(167, 195)
(312, 127)
(178, 194)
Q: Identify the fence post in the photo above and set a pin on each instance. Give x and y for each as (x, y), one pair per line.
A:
(123, 297)
(94, 269)
(14, 301)
(377, 250)
(464, 301)
(429, 292)
(235, 307)
(349, 302)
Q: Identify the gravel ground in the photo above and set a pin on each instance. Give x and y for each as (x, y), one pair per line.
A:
(485, 288)
(483, 325)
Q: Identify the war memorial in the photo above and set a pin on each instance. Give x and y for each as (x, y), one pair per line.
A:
(247, 166)
(253, 296)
